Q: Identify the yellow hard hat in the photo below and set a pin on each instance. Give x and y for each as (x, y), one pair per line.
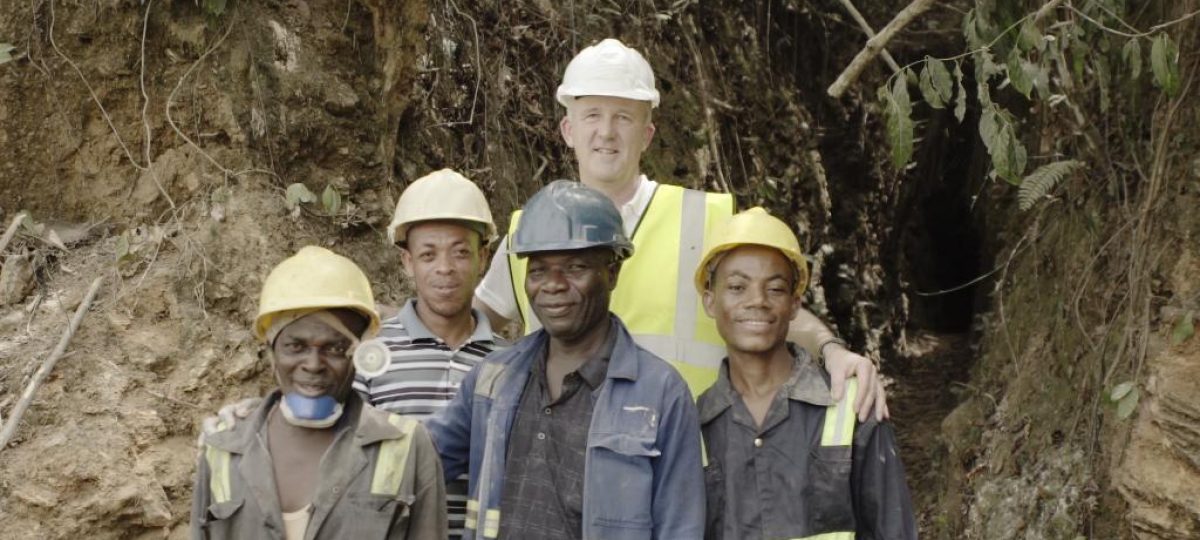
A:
(443, 194)
(754, 227)
(315, 278)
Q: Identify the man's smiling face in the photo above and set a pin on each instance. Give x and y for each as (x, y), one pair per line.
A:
(752, 298)
(608, 135)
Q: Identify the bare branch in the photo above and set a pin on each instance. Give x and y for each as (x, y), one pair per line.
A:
(27, 397)
(874, 45)
(866, 27)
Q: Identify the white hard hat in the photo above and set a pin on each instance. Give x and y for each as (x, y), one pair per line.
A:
(441, 195)
(608, 68)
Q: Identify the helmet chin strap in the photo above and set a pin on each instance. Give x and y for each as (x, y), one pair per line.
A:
(308, 412)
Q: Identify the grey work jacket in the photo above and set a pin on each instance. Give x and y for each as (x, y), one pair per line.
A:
(344, 505)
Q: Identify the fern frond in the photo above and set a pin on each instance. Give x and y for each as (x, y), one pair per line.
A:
(1039, 183)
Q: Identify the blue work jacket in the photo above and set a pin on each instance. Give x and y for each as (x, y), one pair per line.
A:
(643, 476)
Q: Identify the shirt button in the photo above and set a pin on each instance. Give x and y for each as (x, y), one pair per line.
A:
(541, 436)
(758, 442)
(547, 410)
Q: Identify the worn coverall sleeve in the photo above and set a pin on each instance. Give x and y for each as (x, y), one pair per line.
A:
(428, 516)
(882, 504)
(199, 500)
(678, 474)
(450, 428)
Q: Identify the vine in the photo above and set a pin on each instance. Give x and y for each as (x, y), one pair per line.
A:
(1046, 60)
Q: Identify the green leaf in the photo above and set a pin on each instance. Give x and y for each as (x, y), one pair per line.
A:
(298, 194)
(1030, 37)
(1021, 81)
(122, 246)
(1039, 183)
(1128, 404)
(1183, 329)
(971, 31)
(331, 200)
(1164, 62)
(1132, 53)
(1120, 391)
(214, 7)
(5, 52)
(899, 122)
(931, 95)
(960, 93)
(999, 135)
(985, 67)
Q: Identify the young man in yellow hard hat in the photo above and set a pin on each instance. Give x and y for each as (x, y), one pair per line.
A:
(313, 461)
(575, 431)
(442, 226)
(609, 92)
(784, 461)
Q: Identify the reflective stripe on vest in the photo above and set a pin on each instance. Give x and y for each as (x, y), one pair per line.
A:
(491, 519)
(655, 295)
(393, 458)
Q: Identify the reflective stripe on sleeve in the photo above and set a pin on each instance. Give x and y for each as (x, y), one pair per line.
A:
(393, 458)
(218, 471)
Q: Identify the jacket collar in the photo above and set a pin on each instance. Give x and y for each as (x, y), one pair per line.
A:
(622, 364)
(809, 383)
(370, 425)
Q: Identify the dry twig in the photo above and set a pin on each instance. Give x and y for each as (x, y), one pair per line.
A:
(27, 397)
(12, 230)
(874, 45)
(870, 32)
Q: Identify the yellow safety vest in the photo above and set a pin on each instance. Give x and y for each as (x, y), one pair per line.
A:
(655, 295)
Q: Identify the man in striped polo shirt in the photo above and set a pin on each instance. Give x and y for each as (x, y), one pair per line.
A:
(442, 225)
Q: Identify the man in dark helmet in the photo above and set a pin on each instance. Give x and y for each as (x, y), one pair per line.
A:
(575, 431)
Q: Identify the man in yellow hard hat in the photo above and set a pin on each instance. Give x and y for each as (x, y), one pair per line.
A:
(784, 461)
(313, 461)
(442, 226)
(609, 92)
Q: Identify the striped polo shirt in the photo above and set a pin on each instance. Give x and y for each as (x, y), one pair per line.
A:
(423, 377)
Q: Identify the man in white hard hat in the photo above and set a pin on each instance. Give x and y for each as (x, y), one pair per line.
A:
(609, 92)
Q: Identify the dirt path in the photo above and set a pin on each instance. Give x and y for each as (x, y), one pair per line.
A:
(925, 390)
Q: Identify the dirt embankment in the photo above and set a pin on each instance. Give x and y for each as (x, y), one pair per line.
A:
(157, 141)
